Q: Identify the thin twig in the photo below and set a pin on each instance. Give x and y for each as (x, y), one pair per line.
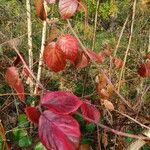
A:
(108, 129)
(29, 28)
(95, 24)
(128, 47)
(84, 49)
(10, 94)
(142, 125)
(119, 95)
(120, 36)
(74, 33)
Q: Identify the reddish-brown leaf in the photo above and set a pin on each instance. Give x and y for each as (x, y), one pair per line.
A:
(82, 60)
(54, 58)
(94, 56)
(101, 81)
(84, 147)
(18, 60)
(103, 93)
(12, 77)
(90, 112)
(69, 45)
(40, 11)
(118, 62)
(53, 34)
(58, 132)
(67, 8)
(144, 69)
(61, 102)
(107, 50)
(147, 55)
(33, 114)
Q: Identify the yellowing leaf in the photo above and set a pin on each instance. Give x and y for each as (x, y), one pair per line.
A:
(108, 105)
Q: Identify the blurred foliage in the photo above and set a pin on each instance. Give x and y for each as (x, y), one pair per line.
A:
(19, 135)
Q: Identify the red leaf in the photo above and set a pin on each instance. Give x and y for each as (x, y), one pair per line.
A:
(54, 58)
(82, 60)
(58, 132)
(67, 8)
(94, 57)
(12, 77)
(33, 114)
(89, 112)
(61, 102)
(144, 69)
(51, 1)
(69, 45)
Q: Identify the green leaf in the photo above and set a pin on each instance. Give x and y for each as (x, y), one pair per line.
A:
(80, 119)
(23, 121)
(90, 127)
(39, 146)
(1, 143)
(128, 139)
(18, 134)
(85, 140)
(25, 141)
(145, 147)
(30, 99)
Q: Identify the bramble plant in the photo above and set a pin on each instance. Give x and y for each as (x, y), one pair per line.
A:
(56, 127)
(54, 114)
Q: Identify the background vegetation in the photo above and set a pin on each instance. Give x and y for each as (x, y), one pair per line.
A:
(112, 15)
